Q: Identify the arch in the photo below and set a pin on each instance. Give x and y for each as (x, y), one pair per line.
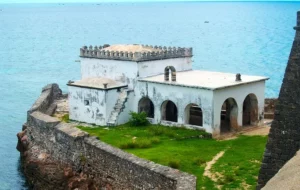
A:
(250, 110)
(193, 115)
(173, 73)
(169, 111)
(229, 115)
(146, 105)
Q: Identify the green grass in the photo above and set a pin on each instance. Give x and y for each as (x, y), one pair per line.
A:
(183, 149)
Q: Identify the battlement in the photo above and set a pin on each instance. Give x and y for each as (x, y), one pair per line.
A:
(134, 52)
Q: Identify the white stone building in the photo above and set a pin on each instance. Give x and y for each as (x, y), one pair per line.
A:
(118, 79)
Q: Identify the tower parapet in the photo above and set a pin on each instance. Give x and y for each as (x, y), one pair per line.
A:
(134, 52)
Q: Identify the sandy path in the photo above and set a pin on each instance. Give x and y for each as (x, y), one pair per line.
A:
(209, 164)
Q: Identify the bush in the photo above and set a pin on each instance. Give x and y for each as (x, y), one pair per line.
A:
(155, 140)
(65, 118)
(174, 164)
(138, 119)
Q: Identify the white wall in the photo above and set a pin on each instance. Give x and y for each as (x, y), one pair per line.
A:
(239, 93)
(155, 67)
(95, 112)
(181, 96)
(121, 71)
(125, 114)
(111, 100)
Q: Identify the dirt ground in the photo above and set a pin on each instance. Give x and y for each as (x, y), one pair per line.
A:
(249, 130)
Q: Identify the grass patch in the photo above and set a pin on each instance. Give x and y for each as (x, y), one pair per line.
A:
(178, 148)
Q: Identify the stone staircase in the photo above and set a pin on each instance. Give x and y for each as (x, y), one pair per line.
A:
(120, 104)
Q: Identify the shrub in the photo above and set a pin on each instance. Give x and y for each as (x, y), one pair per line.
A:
(174, 164)
(143, 143)
(155, 140)
(138, 119)
(65, 118)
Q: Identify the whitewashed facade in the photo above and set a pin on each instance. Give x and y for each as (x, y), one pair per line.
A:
(118, 79)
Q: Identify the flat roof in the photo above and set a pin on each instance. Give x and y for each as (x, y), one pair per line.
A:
(204, 79)
(130, 48)
(97, 83)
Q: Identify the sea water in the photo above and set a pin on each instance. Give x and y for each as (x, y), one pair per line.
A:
(39, 44)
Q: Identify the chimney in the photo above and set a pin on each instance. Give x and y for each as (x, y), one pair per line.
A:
(238, 77)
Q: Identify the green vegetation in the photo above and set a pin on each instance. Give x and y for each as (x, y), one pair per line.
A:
(65, 118)
(189, 150)
(138, 119)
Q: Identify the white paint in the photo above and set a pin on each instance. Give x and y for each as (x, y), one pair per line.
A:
(205, 79)
(238, 93)
(125, 114)
(181, 96)
(206, 89)
(124, 72)
(98, 109)
(156, 67)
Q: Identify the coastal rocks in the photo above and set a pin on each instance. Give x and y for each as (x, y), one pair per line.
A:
(40, 168)
(42, 172)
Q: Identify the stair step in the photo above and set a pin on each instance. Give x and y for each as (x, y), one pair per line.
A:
(117, 108)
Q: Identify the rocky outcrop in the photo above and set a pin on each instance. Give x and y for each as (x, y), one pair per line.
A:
(40, 168)
(58, 155)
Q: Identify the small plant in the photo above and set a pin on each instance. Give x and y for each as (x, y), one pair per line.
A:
(144, 143)
(65, 118)
(161, 130)
(155, 140)
(199, 161)
(174, 164)
(138, 143)
(138, 119)
(82, 158)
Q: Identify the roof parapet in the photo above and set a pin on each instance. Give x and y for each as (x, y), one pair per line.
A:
(160, 52)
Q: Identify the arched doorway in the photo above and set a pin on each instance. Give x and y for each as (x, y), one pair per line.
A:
(250, 110)
(229, 114)
(169, 111)
(147, 106)
(193, 115)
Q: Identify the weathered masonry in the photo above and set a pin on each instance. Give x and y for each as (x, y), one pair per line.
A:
(117, 79)
(284, 136)
(57, 155)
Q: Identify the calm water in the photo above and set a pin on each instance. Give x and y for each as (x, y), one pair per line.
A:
(40, 43)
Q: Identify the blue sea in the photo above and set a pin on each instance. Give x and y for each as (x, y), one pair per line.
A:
(39, 44)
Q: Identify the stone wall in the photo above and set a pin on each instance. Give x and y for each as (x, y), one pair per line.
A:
(284, 136)
(89, 159)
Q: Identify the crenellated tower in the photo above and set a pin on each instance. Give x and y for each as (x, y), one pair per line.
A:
(126, 63)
